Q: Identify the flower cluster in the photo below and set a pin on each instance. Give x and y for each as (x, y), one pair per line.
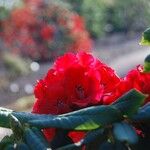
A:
(78, 81)
(74, 82)
(137, 79)
(40, 32)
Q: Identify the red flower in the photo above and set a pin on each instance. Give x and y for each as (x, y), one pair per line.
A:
(140, 80)
(76, 81)
(47, 32)
(78, 24)
(22, 17)
(137, 79)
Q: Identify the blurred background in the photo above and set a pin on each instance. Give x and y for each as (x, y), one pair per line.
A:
(33, 33)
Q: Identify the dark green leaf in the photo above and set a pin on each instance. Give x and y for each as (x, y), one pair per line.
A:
(61, 139)
(146, 37)
(120, 146)
(129, 103)
(4, 117)
(124, 132)
(97, 140)
(106, 146)
(10, 147)
(143, 144)
(92, 135)
(16, 127)
(7, 140)
(85, 119)
(22, 146)
(147, 64)
(143, 114)
(74, 146)
(24, 117)
(33, 141)
(40, 135)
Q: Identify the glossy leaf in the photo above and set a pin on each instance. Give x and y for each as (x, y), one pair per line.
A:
(145, 37)
(62, 140)
(16, 127)
(22, 146)
(106, 146)
(143, 114)
(4, 117)
(74, 146)
(90, 137)
(124, 132)
(147, 64)
(33, 141)
(85, 119)
(129, 103)
(10, 147)
(41, 136)
(24, 117)
(7, 140)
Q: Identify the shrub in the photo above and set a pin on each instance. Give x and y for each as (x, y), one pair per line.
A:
(37, 30)
(94, 13)
(106, 16)
(125, 16)
(15, 64)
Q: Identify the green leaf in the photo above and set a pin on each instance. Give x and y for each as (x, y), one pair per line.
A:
(106, 146)
(16, 127)
(24, 117)
(143, 114)
(61, 139)
(7, 140)
(22, 146)
(98, 138)
(143, 144)
(90, 137)
(10, 147)
(33, 141)
(147, 64)
(86, 119)
(74, 146)
(4, 117)
(145, 37)
(129, 103)
(124, 132)
(120, 146)
(41, 136)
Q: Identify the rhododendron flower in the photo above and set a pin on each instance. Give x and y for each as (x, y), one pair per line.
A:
(137, 79)
(22, 17)
(47, 32)
(74, 82)
(40, 32)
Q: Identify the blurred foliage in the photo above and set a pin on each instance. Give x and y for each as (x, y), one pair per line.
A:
(129, 15)
(104, 16)
(15, 64)
(94, 13)
(37, 29)
(3, 13)
(3, 82)
(23, 104)
(145, 40)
